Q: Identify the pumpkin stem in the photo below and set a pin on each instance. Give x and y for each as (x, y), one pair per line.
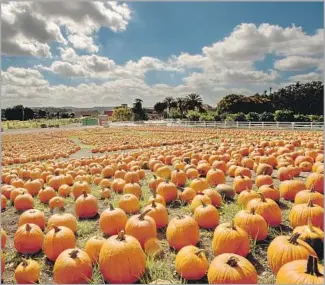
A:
(73, 254)
(154, 193)
(28, 227)
(252, 211)
(232, 225)
(111, 207)
(310, 203)
(85, 194)
(233, 261)
(203, 203)
(24, 262)
(199, 252)
(262, 196)
(312, 266)
(179, 216)
(141, 217)
(56, 229)
(271, 186)
(121, 236)
(242, 175)
(153, 204)
(293, 239)
(312, 190)
(310, 224)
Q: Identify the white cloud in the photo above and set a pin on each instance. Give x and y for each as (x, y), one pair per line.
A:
(28, 28)
(294, 63)
(312, 76)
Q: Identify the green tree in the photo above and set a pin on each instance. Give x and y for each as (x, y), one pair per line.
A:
(301, 118)
(181, 105)
(266, 117)
(122, 114)
(160, 107)
(170, 102)
(240, 117)
(253, 117)
(284, 116)
(193, 115)
(208, 116)
(194, 102)
(174, 113)
(138, 110)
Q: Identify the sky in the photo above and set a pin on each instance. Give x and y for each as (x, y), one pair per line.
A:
(86, 54)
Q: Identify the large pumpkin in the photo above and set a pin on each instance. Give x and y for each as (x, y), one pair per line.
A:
(284, 249)
(125, 251)
(72, 266)
(231, 269)
(303, 271)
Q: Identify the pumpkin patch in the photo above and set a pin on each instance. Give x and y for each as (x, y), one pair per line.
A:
(160, 203)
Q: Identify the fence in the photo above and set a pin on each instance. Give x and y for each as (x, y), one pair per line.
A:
(314, 126)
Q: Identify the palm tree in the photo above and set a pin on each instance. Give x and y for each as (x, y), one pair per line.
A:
(160, 107)
(194, 101)
(181, 105)
(137, 104)
(169, 102)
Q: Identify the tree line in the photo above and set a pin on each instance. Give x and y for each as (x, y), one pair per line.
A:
(21, 113)
(295, 102)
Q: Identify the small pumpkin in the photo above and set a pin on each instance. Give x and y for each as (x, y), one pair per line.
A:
(86, 206)
(300, 213)
(129, 203)
(314, 236)
(142, 227)
(28, 239)
(62, 219)
(57, 240)
(289, 189)
(93, 247)
(269, 191)
(206, 216)
(245, 196)
(112, 220)
(159, 214)
(32, 216)
(304, 196)
(152, 247)
(182, 231)
(188, 258)
(254, 224)
(235, 238)
(226, 191)
(27, 272)
(267, 208)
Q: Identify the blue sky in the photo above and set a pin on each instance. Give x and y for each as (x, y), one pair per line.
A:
(161, 30)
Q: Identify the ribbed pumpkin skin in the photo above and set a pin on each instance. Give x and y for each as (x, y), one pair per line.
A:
(254, 224)
(141, 228)
(28, 241)
(27, 272)
(190, 257)
(32, 216)
(295, 272)
(68, 270)
(112, 221)
(281, 251)
(93, 247)
(58, 240)
(67, 220)
(222, 273)
(129, 257)
(182, 231)
(301, 213)
(235, 238)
